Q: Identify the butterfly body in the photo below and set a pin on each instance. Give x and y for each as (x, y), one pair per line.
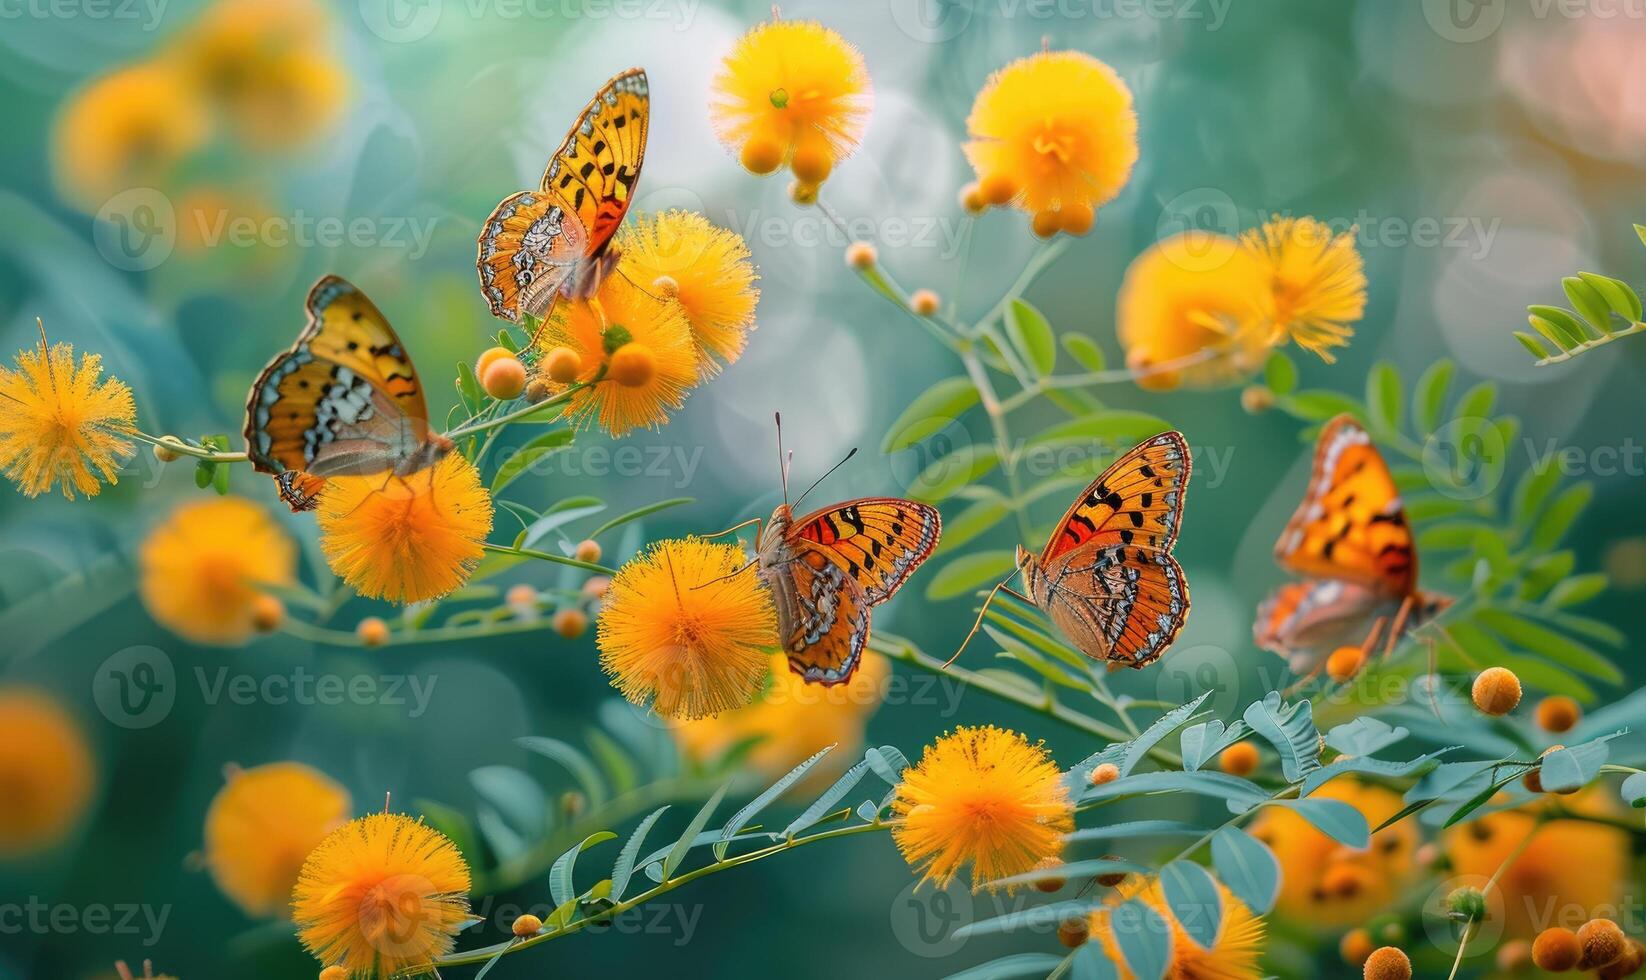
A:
(344, 400)
(829, 568)
(1352, 543)
(539, 246)
(1106, 578)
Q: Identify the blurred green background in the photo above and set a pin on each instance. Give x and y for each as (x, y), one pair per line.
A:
(1485, 149)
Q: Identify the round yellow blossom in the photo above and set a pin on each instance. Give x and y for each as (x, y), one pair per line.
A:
(793, 720)
(1355, 946)
(504, 379)
(1558, 713)
(1317, 283)
(570, 623)
(587, 550)
(562, 365)
(372, 631)
(406, 539)
(861, 256)
(201, 570)
(1602, 942)
(47, 772)
(380, 894)
(1187, 307)
(267, 613)
(1233, 954)
(1104, 772)
(1326, 884)
(795, 91)
(1496, 691)
(62, 423)
(262, 825)
(488, 357)
(527, 925)
(624, 316)
(126, 129)
(682, 633)
(1058, 129)
(1344, 663)
(1239, 759)
(1556, 949)
(925, 302)
(986, 797)
(1388, 963)
(633, 365)
(709, 273)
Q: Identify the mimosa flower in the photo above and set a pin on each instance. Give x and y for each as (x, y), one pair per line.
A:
(125, 130)
(681, 255)
(380, 894)
(1317, 283)
(406, 539)
(46, 769)
(1233, 954)
(792, 92)
(1055, 135)
(679, 631)
(262, 825)
(792, 721)
(200, 572)
(984, 797)
(62, 423)
(640, 346)
(1188, 312)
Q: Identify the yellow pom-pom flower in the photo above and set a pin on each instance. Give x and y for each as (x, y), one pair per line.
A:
(62, 422)
(1233, 954)
(1317, 283)
(795, 92)
(262, 825)
(46, 768)
(381, 894)
(201, 571)
(1187, 310)
(985, 797)
(652, 334)
(124, 130)
(406, 539)
(679, 631)
(706, 268)
(1054, 133)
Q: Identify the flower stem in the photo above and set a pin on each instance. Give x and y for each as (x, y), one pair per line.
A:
(182, 448)
(1567, 355)
(472, 427)
(587, 566)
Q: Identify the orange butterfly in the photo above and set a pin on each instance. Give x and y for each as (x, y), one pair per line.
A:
(343, 401)
(1107, 578)
(829, 568)
(1351, 540)
(556, 241)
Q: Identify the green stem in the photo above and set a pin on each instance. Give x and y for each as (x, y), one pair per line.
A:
(587, 566)
(1113, 376)
(472, 427)
(182, 448)
(1632, 328)
(1037, 264)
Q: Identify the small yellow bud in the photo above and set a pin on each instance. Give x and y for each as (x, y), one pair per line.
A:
(1106, 772)
(633, 365)
(563, 365)
(761, 155)
(811, 163)
(587, 550)
(1076, 218)
(373, 632)
(527, 925)
(1239, 759)
(166, 452)
(1344, 663)
(570, 623)
(997, 189)
(924, 302)
(489, 356)
(803, 193)
(1496, 691)
(861, 256)
(971, 199)
(504, 379)
(1256, 399)
(267, 613)
(1045, 223)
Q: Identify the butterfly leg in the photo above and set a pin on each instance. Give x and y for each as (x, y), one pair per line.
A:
(757, 522)
(1404, 614)
(729, 575)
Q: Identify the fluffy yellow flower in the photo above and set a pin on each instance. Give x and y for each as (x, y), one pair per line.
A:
(683, 256)
(380, 894)
(1233, 954)
(792, 92)
(1572, 869)
(1317, 283)
(1196, 293)
(124, 130)
(677, 630)
(1055, 134)
(984, 797)
(200, 571)
(406, 539)
(262, 825)
(63, 423)
(46, 771)
(793, 720)
(640, 347)
(1324, 883)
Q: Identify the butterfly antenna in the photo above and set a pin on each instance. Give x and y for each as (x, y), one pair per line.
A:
(826, 475)
(782, 467)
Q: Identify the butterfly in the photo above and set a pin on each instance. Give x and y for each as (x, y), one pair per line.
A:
(557, 240)
(1351, 541)
(828, 569)
(343, 401)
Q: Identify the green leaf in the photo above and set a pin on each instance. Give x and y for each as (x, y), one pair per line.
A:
(1370, 767)
(1334, 818)
(1577, 589)
(1280, 374)
(1551, 332)
(831, 797)
(1587, 300)
(1193, 899)
(561, 886)
(1014, 965)
(468, 386)
(559, 515)
(1144, 938)
(1383, 397)
(1247, 867)
(1364, 736)
(1532, 490)
(1089, 962)
(1085, 351)
(1530, 343)
(1201, 743)
(1109, 426)
(542, 447)
(1040, 917)
(1634, 790)
(742, 817)
(1290, 729)
(1623, 300)
(1429, 398)
(968, 571)
(1073, 869)
(671, 864)
(1316, 405)
(1477, 402)
(515, 795)
(1568, 769)
(1135, 828)
(639, 512)
(204, 471)
(975, 520)
(623, 870)
(1032, 336)
(1546, 642)
(579, 765)
(1563, 321)
(888, 762)
(965, 466)
(1563, 512)
(1240, 794)
(932, 410)
(1162, 726)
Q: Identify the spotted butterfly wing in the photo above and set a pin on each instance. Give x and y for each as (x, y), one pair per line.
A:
(344, 400)
(1107, 578)
(829, 568)
(556, 241)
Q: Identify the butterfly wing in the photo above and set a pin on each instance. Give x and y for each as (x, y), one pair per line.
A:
(344, 399)
(1137, 501)
(1351, 524)
(877, 541)
(539, 245)
(822, 615)
(1305, 621)
(1117, 603)
(300, 490)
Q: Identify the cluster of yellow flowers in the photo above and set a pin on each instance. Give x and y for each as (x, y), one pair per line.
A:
(263, 68)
